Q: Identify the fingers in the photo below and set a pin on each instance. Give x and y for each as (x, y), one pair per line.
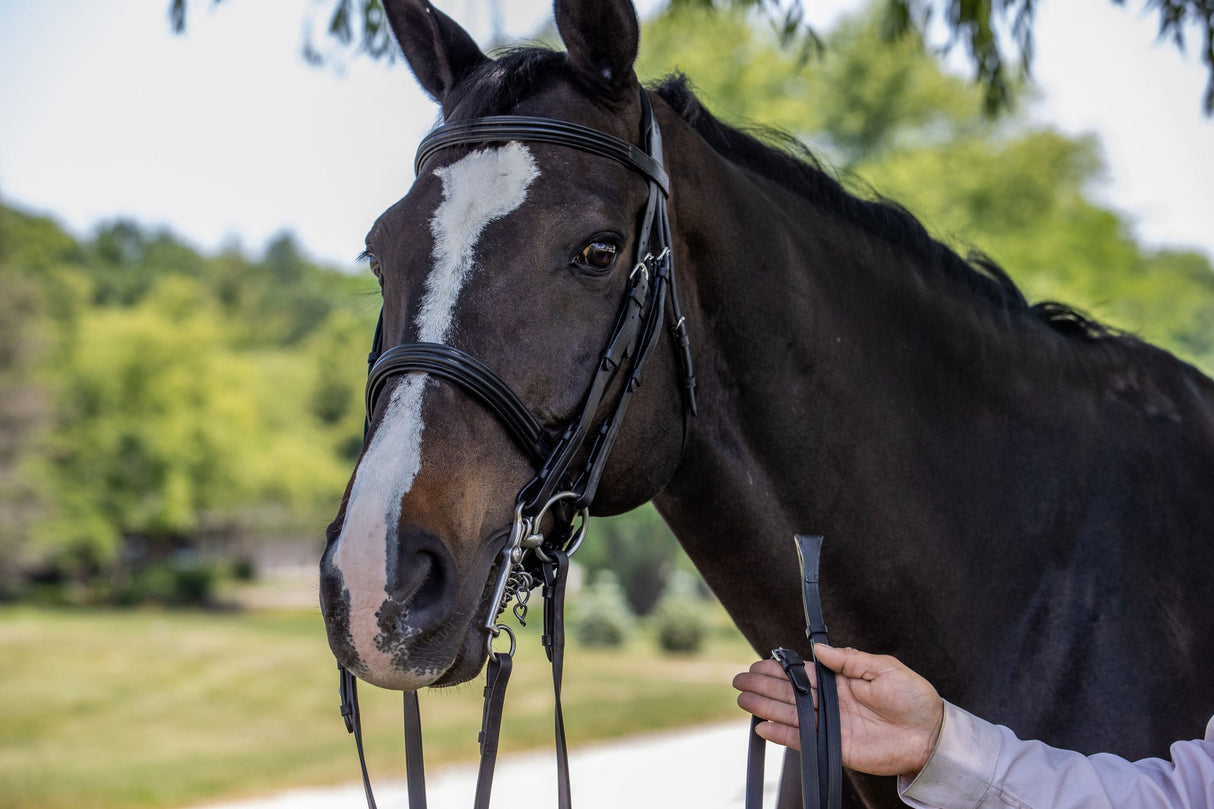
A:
(768, 666)
(767, 693)
(767, 678)
(773, 710)
(774, 688)
(780, 734)
(830, 657)
(854, 664)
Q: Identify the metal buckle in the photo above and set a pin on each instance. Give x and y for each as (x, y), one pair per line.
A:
(640, 268)
(794, 667)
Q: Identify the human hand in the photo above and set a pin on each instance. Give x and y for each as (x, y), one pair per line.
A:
(889, 716)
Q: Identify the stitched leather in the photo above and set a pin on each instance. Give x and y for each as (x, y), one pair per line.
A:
(506, 128)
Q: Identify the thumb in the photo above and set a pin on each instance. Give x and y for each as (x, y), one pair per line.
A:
(830, 657)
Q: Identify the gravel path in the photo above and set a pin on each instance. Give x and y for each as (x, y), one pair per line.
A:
(701, 768)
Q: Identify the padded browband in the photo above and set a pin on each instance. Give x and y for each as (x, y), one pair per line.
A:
(505, 128)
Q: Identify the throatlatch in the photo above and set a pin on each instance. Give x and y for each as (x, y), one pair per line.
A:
(821, 747)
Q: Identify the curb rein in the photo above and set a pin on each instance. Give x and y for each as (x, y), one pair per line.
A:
(821, 748)
(554, 491)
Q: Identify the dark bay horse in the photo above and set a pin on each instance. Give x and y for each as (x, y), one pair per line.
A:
(1017, 502)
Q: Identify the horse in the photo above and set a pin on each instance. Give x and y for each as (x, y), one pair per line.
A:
(1017, 501)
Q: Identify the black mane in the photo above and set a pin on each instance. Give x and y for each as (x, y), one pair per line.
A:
(790, 164)
(498, 84)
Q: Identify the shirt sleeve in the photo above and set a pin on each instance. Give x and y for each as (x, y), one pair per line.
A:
(977, 765)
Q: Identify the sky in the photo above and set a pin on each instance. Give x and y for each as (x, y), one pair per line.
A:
(226, 136)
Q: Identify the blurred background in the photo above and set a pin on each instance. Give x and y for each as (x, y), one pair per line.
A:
(183, 326)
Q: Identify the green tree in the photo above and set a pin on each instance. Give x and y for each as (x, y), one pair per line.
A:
(154, 398)
(980, 27)
(860, 99)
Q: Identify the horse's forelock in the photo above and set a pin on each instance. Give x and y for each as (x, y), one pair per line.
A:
(498, 84)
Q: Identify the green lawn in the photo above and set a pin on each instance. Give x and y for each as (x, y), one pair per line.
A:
(138, 709)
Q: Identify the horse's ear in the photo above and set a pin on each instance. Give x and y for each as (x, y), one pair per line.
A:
(602, 37)
(440, 52)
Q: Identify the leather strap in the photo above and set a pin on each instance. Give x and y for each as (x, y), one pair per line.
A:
(497, 677)
(555, 570)
(505, 128)
(454, 365)
(415, 763)
(349, 711)
(821, 748)
(829, 745)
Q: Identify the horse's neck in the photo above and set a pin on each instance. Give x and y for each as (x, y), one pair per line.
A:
(849, 387)
(826, 352)
(823, 338)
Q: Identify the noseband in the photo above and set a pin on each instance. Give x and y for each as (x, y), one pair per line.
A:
(559, 489)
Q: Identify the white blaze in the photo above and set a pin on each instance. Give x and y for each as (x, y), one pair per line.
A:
(477, 190)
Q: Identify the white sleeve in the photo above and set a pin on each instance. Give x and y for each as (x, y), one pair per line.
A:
(977, 765)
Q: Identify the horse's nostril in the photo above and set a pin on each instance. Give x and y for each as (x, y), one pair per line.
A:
(420, 582)
(433, 583)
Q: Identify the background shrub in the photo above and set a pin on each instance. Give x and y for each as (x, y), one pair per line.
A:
(600, 615)
(680, 621)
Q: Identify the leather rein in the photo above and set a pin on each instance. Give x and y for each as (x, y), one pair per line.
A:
(559, 493)
(821, 747)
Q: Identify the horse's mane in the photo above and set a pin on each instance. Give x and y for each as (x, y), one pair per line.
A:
(498, 84)
(785, 160)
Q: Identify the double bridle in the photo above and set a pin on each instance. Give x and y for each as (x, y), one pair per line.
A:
(564, 494)
(561, 492)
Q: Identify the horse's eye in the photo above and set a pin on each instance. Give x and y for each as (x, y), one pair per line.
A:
(598, 255)
(375, 269)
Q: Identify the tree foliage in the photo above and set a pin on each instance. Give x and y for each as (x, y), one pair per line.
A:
(154, 396)
(979, 26)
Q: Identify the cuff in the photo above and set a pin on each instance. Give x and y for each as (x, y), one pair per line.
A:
(959, 772)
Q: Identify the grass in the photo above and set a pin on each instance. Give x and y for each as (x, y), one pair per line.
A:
(145, 709)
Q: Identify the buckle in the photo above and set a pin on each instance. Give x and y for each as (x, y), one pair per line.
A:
(640, 268)
(349, 698)
(794, 667)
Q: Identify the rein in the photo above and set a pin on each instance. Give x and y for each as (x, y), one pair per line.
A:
(559, 493)
(821, 747)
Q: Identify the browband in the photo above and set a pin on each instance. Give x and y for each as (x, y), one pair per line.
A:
(504, 128)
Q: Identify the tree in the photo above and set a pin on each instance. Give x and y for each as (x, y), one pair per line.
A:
(153, 400)
(980, 27)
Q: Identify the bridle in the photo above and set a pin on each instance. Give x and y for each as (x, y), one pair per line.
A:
(563, 493)
(559, 490)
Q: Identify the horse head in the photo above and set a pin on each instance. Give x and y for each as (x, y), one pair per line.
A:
(518, 253)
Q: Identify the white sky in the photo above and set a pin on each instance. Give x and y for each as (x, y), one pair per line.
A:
(226, 135)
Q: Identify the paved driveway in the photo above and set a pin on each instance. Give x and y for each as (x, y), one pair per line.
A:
(701, 768)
